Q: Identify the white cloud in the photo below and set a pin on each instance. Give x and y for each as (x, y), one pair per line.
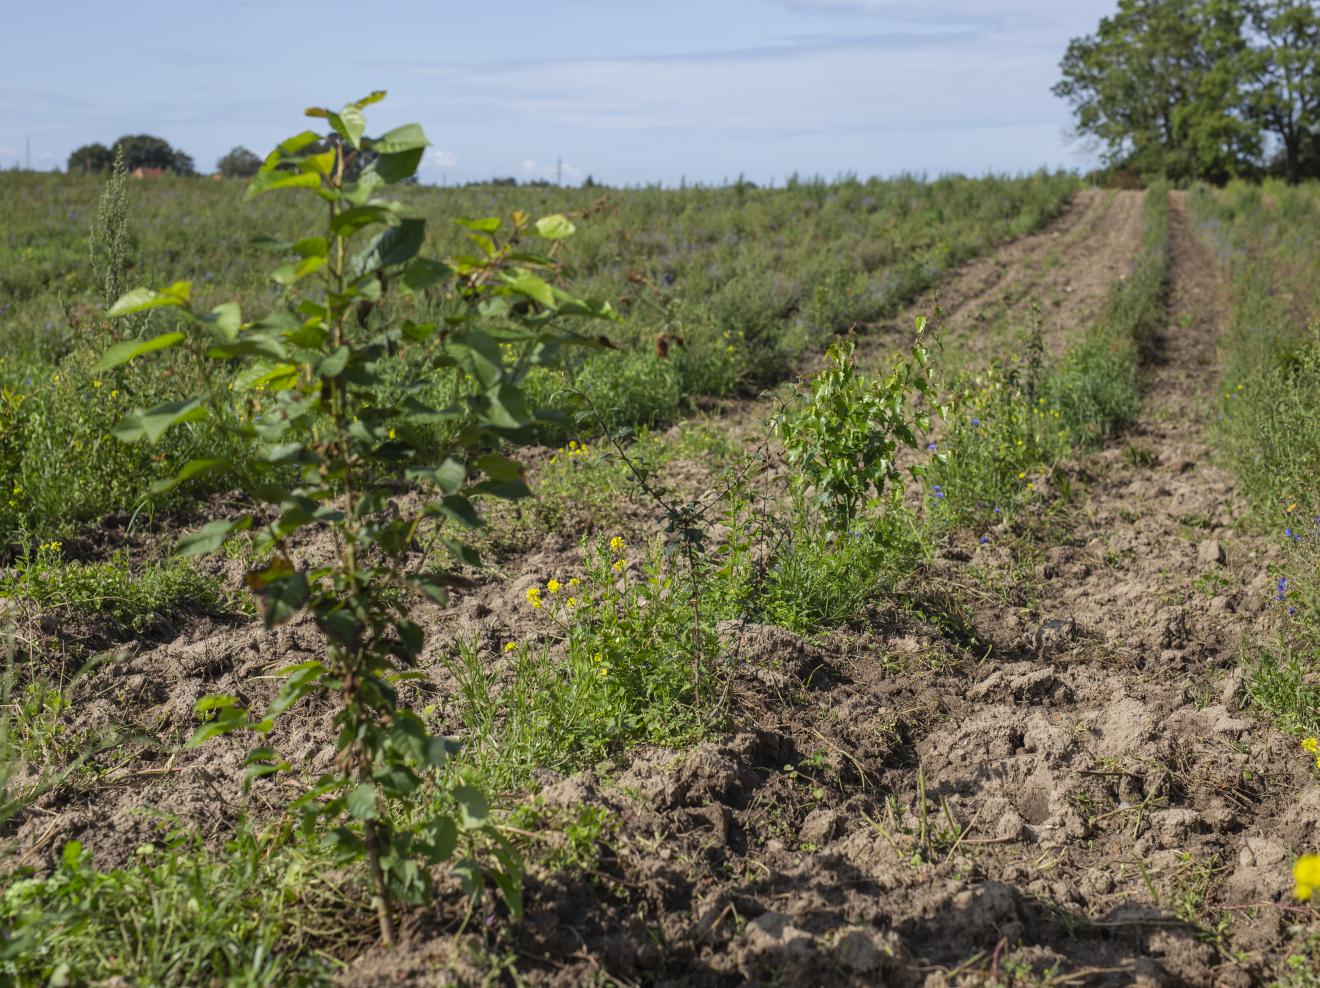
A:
(443, 159)
(529, 166)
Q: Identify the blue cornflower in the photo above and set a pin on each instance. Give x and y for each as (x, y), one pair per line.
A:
(976, 423)
(1282, 589)
(999, 511)
(985, 539)
(932, 446)
(939, 491)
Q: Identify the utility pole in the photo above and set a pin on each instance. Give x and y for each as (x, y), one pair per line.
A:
(559, 173)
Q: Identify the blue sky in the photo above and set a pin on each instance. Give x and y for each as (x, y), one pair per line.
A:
(629, 91)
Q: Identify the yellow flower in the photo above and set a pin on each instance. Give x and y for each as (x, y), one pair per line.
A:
(1306, 873)
(574, 582)
(391, 434)
(510, 646)
(96, 384)
(571, 602)
(616, 544)
(534, 597)
(1311, 744)
(114, 392)
(1292, 507)
(553, 586)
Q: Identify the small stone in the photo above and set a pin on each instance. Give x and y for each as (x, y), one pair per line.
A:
(820, 827)
(1211, 553)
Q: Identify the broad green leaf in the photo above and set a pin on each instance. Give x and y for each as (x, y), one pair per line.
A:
(441, 838)
(333, 365)
(272, 180)
(191, 469)
(487, 224)
(391, 168)
(555, 227)
(225, 320)
(151, 425)
(396, 245)
(311, 247)
(473, 809)
(526, 283)
(424, 272)
(141, 299)
(361, 802)
(280, 590)
(375, 96)
(458, 508)
(349, 123)
(409, 137)
(210, 537)
(122, 353)
(351, 220)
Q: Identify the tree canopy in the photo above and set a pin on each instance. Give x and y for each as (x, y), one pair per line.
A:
(140, 151)
(1199, 89)
(238, 163)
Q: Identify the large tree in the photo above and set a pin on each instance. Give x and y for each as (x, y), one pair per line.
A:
(146, 151)
(1158, 86)
(1284, 94)
(90, 158)
(238, 163)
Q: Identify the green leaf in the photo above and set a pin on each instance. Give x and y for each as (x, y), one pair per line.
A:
(122, 353)
(396, 245)
(423, 272)
(487, 224)
(361, 802)
(269, 181)
(210, 536)
(226, 319)
(391, 168)
(441, 839)
(141, 299)
(473, 809)
(458, 508)
(191, 469)
(333, 365)
(153, 424)
(555, 227)
(311, 247)
(349, 123)
(375, 96)
(499, 467)
(409, 137)
(280, 589)
(535, 288)
(448, 476)
(350, 221)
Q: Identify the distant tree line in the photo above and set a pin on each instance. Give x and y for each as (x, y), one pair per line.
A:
(1201, 89)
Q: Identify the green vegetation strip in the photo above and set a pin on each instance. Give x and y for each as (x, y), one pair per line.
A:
(1268, 425)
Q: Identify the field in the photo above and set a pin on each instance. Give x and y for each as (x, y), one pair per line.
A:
(823, 652)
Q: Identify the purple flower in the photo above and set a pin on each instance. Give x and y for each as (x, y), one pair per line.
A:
(985, 539)
(932, 446)
(976, 423)
(1282, 589)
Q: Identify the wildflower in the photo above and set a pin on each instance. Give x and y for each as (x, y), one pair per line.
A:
(939, 491)
(1281, 589)
(96, 384)
(976, 423)
(1022, 475)
(391, 434)
(616, 544)
(571, 602)
(510, 646)
(985, 539)
(932, 446)
(114, 392)
(1291, 508)
(1306, 875)
(619, 564)
(1311, 744)
(574, 582)
(534, 597)
(553, 586)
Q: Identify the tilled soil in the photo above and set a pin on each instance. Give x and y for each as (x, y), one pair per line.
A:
(1058, 784)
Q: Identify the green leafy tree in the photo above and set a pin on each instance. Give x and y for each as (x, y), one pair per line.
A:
(1158, 86)
(90, 158)
(145, 151)
(331, 455)
(1284, 95)
(238, 163)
